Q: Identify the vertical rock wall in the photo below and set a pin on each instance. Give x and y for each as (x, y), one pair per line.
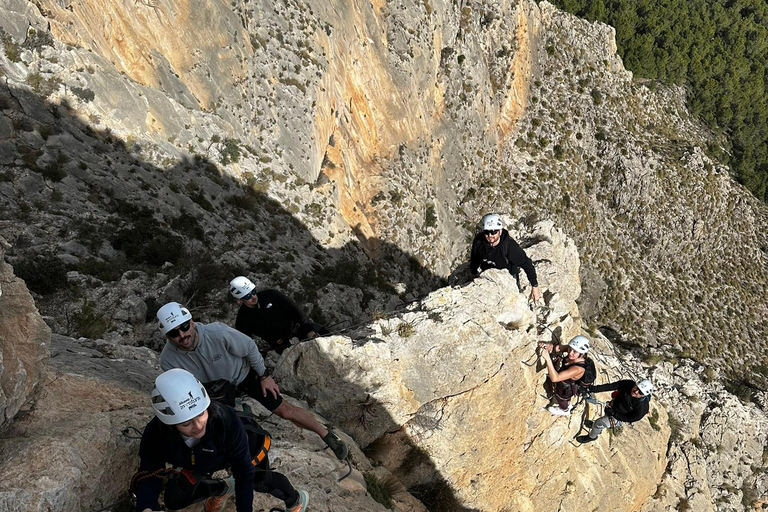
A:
(24, 343)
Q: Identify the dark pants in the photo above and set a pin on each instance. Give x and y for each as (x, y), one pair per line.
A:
(251, 386)
(180, 492)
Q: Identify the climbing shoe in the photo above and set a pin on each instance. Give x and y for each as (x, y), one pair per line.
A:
(334, 442)
(215, 503)
(301, 505)
(585, 439)
(557, 411)
(588, 423)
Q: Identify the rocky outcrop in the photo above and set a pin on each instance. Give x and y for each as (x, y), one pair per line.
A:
(438, 393)
(73, 452)
(24, 343)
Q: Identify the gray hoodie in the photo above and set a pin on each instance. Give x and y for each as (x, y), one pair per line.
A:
(221, 353)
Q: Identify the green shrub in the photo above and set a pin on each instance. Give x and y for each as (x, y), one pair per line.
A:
(378, 490)
(231, 151)
(430, 219)
(12, 50)
(44, 274)
(90, 323)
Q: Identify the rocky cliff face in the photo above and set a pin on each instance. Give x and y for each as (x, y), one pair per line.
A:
(388, 127)
(343, 152)
(24, 340)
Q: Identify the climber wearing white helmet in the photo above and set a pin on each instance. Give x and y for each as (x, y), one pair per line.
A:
(198, 437)
(216, 351)
(575, 369)
(271, 316)
(494, 248)
(630, 402)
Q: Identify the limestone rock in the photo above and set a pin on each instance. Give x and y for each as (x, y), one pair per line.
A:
(24, 343)
(445, 378)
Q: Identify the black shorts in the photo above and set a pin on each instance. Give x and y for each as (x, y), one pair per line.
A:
(252, 387)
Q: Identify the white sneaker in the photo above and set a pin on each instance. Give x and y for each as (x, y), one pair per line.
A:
(557, 411)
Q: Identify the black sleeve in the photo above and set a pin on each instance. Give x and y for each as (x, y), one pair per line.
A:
(240, 323)
(611, 386)
(475, 255)
(150, 459)
(516, 256)
(239, 459)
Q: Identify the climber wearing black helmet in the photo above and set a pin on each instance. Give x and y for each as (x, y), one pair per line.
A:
(199, 437)
(629, 403)
(494, 248)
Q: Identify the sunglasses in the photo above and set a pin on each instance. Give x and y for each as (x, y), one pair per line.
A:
(174, 333)
(247, 296)
(490, 231)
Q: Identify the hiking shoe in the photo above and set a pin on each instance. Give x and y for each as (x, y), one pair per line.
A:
(334, 442)
(557, 411)
(214, 503)
(585, 439)
(588, 423)
(301, 505)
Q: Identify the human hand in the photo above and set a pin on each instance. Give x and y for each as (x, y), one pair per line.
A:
(311, 335)
(547, 347)
(268, 384)
(535, 294)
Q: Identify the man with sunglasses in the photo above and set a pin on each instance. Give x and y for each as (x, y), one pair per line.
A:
(494, 248)
(271, 316)
(629, 403)
(216, 351)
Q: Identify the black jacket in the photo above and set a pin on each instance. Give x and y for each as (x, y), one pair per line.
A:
(275, 317)
(506, 254)
(624, 407)
(224, 445)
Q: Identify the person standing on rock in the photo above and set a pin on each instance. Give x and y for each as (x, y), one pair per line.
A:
(576, 369)
(216, 351)
(629, 403)
(198, 437)
(271, 316)
(494, 248)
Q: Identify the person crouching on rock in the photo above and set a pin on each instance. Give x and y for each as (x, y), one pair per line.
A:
(198, 437)
(576, 369)
(494, 248)
(629, 403)
(271, 316)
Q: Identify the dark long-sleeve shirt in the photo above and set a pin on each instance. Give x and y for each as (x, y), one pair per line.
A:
(624, 406)
(224, 445)
(506, 254)
(273, 318)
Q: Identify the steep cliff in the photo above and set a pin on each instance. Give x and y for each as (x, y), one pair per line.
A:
(394, 125)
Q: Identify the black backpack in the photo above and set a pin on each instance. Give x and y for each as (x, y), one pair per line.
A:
(590, 373)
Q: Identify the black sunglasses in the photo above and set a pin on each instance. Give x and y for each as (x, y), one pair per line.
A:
(174, 333)
(247, 296)
(490, 231)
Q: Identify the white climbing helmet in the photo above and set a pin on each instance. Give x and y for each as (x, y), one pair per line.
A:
(172, 315)
(241, 286)
(178, 397)
(492, 222)
(645, 386)
(580, 344)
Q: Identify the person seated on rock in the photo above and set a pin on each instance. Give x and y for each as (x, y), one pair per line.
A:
(494, 248)
(630, 402)
(216, 351)
(271, 316)
(575, 369)
(198, 437)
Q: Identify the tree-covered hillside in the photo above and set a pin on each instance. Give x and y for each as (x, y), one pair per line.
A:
(718, 49)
